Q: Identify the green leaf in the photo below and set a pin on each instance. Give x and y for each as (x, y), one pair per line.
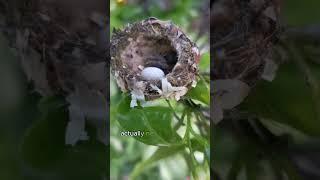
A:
(196, 145)
(154, 122)
(204, 64)
(252, 169)
(47, 104)
(44, 148)
(161, 153)
(287, 99)
(237, 165)
(283, 163)
(298, 12)
(201, 92)
(43, 144)
(91, 157)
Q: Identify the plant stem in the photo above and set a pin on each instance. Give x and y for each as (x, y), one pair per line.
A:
(174, 113)
(180, 121)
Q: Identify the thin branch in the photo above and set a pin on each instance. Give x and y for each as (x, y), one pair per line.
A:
(180, 121)
(174, 113)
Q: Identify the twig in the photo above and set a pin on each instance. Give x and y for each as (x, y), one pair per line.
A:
(200, 124)
(180, 120)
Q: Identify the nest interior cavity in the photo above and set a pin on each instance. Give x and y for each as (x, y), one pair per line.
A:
(149, 52)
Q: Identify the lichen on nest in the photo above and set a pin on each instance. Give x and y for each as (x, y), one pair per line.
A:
(156, 44)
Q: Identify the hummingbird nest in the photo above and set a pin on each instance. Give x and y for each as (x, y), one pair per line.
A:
(243, 33)
(153, 59)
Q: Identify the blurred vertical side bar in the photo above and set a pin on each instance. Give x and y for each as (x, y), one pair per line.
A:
(58, 127)
(108, 84)
(212, 176)
(244, 36)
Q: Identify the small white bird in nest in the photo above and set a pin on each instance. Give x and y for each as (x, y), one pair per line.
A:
(152, 73)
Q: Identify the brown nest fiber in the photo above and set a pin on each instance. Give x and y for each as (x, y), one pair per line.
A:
(153, 43)
(242, 34)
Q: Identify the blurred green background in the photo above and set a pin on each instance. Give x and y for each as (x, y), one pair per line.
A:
(32, 132)
(278, 136)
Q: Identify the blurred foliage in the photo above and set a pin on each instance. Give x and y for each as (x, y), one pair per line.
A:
(274, 133)
(32, 133)
(173, 147)
(288, 99)
(298, 13)
(179, 11)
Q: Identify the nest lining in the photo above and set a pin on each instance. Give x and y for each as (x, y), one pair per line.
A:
(149, 52)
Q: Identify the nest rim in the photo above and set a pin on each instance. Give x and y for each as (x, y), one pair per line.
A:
(181, 74)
